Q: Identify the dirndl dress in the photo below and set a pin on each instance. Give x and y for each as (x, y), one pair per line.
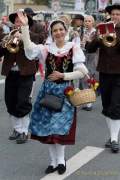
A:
(49, 126)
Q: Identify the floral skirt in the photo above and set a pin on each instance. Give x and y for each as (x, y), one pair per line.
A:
(68, 139)
(49, 126)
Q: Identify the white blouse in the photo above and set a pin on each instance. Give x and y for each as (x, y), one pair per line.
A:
(40, 51)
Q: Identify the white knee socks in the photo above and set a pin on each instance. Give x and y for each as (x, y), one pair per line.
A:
(114, 127)
(108, 122)
(25, 124)
(60, 149)
(56, 152)
(52, 153)
(20, 124)
(16, 123)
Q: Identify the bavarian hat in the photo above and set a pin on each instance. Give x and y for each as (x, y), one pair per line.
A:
(115, 6)
(29, 11)
(12, 17)
(79, 16)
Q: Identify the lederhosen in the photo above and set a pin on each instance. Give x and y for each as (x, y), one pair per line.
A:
(17, 93)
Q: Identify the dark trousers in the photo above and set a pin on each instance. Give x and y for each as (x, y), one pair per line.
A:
(110, 94)
(17, 93)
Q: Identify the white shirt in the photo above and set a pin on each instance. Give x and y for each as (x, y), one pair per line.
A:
(40, 51)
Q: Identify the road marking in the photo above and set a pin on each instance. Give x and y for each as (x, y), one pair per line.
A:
(76, 162)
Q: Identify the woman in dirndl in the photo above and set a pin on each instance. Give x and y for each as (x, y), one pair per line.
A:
(63, 63)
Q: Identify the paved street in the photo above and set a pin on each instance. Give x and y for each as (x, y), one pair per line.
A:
(86, 160)
(1, 77)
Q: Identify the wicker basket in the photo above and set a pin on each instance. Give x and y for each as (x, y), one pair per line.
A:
(82, 97)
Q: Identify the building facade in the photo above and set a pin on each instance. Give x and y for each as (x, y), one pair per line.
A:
(6, 6)
(88, 6)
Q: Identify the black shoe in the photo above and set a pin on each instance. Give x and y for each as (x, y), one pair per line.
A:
(61, 168)
(87, 108)
(114, 147)
(22, 139)
(15, 135)
(50, 169)
(108, 143)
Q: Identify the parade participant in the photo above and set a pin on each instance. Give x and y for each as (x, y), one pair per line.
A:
(107, 17)
(55, 128)
(89, 31)
(5, 24)
(109, 77)
(78, 24)
(71, 34)
(18, 83)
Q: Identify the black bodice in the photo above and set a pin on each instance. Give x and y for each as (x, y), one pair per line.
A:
(61, 64)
